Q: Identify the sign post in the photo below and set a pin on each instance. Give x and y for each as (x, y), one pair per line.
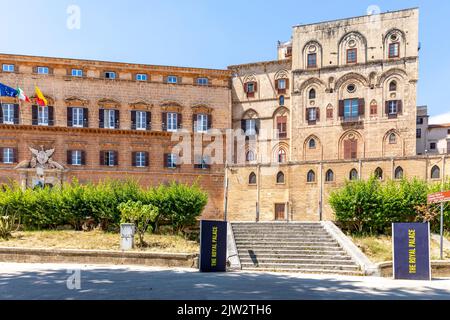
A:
(411, 251)
(436, 198)
(213, 246)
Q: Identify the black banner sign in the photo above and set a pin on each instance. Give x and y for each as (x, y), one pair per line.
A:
(213, 246)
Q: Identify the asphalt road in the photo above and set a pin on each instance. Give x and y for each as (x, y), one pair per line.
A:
(60, 282)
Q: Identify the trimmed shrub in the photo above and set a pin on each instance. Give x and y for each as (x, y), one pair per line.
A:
(370, 207)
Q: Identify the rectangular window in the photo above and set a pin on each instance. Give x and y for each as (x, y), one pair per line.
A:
(78, 117)
(110, 75)
(202, 81)
(202, 123)
(42, 70)
(352, 55)
(433, 146)
(77, 158)
(42, 116)
(393, 107)
(77, 73)
(202, 162)
(282, 84)
(250, 87)
(172, 79)
(419, 120)
(8, 68)
(8, 155)
(394, 50)
(172, 122)
(110, 119)
(171, 161)
(250, 125)
(141, 159)
(312, 114)
(282, 126)
(141, 77)
(418, 133)
(8, 113)
(141, 120)
(351, 108)
(312, 60)
(110, 158)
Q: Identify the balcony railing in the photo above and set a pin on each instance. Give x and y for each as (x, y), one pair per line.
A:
(351, 119)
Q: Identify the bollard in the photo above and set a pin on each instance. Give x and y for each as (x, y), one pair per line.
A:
(127, 232)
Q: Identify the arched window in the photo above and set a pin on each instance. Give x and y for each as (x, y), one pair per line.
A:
(393, 85)
(379, 173)
(312, 94)
(250, 156)
(281, 100)
(398, 173)
(354, 175)
(281, 156)
(329, 176)
(392, 138)
(311, 176)
(435, 172)
(312, 144)
(280, 177)
(252, 178)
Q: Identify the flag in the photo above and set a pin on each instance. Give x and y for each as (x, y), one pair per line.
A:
(6, 91)
(21, 95)
(40, 99)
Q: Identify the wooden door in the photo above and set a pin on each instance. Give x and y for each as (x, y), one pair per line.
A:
(280, 212)
(350, 149)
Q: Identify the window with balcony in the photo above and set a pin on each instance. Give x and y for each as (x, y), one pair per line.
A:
(351, 109)
(110, 120)
(8, 113)
(43, 118)
(141, 120)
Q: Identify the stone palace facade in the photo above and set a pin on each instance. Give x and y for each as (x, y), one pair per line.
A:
(338, 104)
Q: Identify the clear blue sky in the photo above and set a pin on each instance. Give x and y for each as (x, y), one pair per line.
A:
(207, 33)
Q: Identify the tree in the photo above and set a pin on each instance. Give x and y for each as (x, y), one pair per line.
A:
(140, 215)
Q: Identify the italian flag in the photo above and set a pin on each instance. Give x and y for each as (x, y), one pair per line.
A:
(21, 95)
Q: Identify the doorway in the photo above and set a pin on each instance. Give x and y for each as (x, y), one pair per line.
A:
(280, 212)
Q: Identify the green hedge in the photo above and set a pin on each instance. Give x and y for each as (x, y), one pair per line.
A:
(370, 207)
(73, 204)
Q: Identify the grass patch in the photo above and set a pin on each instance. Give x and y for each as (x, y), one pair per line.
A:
(95, 240)
(379, 248)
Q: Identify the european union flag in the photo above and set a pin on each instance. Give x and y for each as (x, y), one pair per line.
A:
(6, 91)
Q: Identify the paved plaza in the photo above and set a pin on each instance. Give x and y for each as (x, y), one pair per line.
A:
(52, 282)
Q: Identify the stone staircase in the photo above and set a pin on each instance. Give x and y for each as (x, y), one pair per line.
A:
(291, 247)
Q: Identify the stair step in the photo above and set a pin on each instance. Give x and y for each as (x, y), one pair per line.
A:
(292, 253)
(307, 271)
(322, 262)
(246, 255)
(283, 243)
(302, 266)
(292, 238)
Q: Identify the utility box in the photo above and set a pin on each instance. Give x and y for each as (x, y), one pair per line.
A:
(127, 232)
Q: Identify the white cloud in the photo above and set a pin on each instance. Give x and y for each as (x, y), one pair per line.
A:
(440, 119)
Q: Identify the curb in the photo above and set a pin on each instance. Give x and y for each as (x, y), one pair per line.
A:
(28, 255)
